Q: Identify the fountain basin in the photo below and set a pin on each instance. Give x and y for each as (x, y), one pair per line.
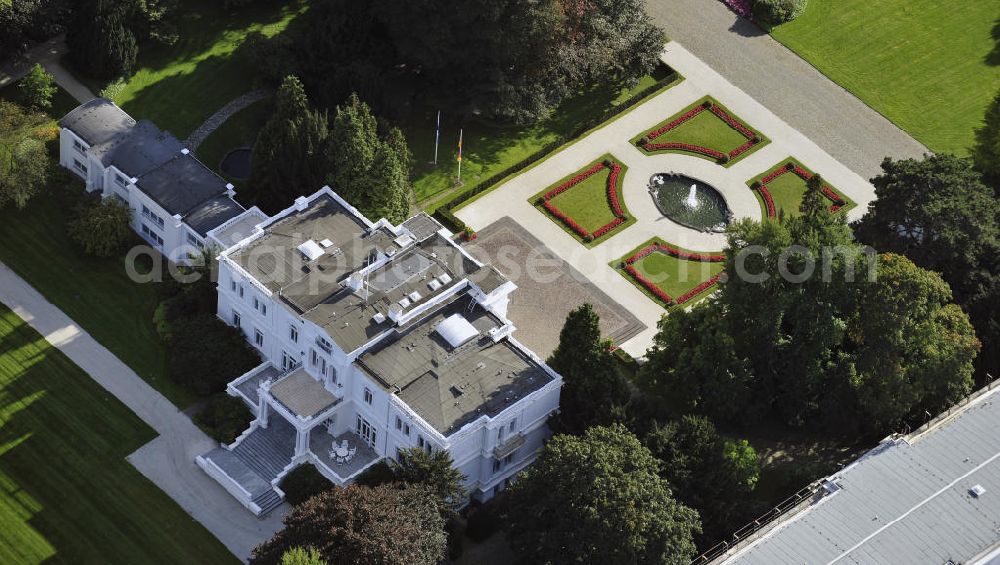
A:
(690, 202)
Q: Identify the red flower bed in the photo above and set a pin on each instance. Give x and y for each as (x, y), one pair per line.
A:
(737, 125)
(674, 252)
(612, 194)
(838, 201)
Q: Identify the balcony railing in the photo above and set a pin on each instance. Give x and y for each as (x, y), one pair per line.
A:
(508, 447)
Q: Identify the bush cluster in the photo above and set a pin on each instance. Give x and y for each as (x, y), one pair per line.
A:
(224, 418)
(303, 483)
(776, 12)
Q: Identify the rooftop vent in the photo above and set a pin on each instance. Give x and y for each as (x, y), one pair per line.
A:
(404, 302)
(326, 243)
(456, 330)
(414, 296)
(445, 278)
(434, 284)
(310, 250)
(977, 491)
(378, 318)
(403, 240)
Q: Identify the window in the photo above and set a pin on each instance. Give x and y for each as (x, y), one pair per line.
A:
(78, 146)
(191, 239)
(399, 423)
(232, 285)
(79, 166)
(406, 429)
(236, 318)
(256, 303)
(513, 424)
(152, 236)
(148, 214)
(120, 180)
(509, 458)
(420, 440)
(368, 395)
(324, 344)
(366, 431)
(496, 466)
(263, 308)
(241, 291)
(293, 334)
(258, 338)
(500, 434)
(287, 361)
(313, 358)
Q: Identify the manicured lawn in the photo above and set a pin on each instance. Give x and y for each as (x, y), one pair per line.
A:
(788, 189)
(68, 494)
(929, 66)
(179, 86)
(240, 130)
(96, 293)
(672, 275)
(704, 129)
(489, 148)
(586, 202)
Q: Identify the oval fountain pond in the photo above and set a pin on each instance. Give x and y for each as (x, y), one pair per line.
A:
(236, 164)
(690, 202)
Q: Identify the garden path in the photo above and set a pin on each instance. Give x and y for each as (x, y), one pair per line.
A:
(48, 53)
(511, 198)
(836, 120)
(168, 460)
(217, 119)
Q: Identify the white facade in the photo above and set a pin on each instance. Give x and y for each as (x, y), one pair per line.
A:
(488, 450)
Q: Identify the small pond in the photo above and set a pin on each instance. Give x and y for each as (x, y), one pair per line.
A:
(690, 202)
(236, 164)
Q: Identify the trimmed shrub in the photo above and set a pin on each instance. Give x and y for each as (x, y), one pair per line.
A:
(102, 228)
(37, 88)
(378, 474)
(303, 483)
(224, 418)
(776, 12)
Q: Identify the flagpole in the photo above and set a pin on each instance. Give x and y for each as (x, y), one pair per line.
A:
(459, 155)
(437, 137)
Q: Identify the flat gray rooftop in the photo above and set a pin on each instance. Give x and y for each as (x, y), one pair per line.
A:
(212, 213)
(449, 387)
(139, 150)
(903, 502)
(181, 184)
(97, 121)
(301, 394)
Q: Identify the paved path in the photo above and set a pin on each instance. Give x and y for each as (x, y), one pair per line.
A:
(217, 119)
(48, 54)
(168, 460)
(835, 119)
(511, 199)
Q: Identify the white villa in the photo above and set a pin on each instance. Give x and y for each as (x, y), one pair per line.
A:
(384, 337)
(374, 337)
(175, 199)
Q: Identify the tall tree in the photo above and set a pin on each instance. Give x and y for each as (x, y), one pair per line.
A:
(593, 388)
(371, 171)
(103, 227)
(434, 470)
(709, 473)
(302, 556)
(939, 213)
(37, 88)
(599, 498)
(986, 152)
(384, 524)
(24, 162)
(289, 157)
(100, 37)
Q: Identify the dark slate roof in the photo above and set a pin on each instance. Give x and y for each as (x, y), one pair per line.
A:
(181, 184)
(213, 213)
(97, 121)
(138, 151)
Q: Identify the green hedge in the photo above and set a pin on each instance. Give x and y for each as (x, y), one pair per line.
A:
(444, 213)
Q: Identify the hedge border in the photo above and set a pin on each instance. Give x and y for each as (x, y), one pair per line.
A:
(445, 214)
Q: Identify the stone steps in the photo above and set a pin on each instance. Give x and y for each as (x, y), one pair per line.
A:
(266, 453)
(267, 502)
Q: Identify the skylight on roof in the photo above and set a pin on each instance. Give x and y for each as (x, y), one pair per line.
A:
(445, 278)
(311, 250)
(434, 284)
(456, 330)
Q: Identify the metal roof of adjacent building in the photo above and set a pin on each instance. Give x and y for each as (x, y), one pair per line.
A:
(212, 213)
(139, 150)
(910, 500)
(182, 184)
(97, 121)
(452, 386)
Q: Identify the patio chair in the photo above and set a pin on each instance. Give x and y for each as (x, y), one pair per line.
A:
(350, 454)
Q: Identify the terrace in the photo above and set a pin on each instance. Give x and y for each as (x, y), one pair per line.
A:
(321, 442)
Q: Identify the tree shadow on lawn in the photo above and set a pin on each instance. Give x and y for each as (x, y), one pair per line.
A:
(993, 59)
